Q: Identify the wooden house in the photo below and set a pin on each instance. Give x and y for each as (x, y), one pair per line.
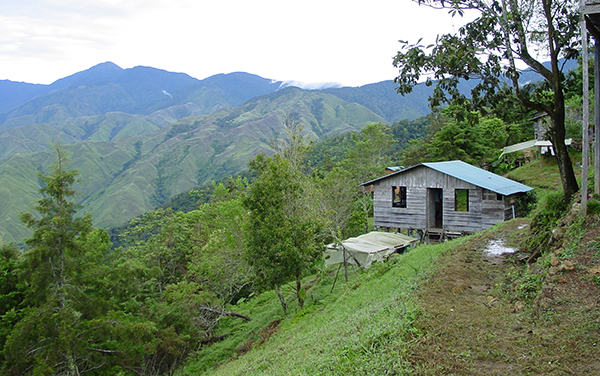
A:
(449, 196)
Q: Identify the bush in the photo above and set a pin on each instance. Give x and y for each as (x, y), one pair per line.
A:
(544, 220)
(593, 204)
(526, 203)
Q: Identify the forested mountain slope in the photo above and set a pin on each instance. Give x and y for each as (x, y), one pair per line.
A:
(131, 175)
(106, 103)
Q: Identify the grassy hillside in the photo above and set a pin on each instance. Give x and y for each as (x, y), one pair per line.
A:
(358, 328)
(453, 308)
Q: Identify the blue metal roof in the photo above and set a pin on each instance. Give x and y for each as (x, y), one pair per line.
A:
(470, 174)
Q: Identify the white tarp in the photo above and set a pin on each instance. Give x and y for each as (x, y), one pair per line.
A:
(367, 248)
(530, 144)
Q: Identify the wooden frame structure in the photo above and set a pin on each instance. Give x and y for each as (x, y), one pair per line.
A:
(590, 22)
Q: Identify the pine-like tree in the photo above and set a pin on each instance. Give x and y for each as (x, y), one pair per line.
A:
(45, 341)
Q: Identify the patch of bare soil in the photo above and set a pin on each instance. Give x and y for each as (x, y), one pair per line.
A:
(487, 313)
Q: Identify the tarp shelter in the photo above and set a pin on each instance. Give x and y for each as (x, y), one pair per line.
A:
(367, 248)
(530, 144)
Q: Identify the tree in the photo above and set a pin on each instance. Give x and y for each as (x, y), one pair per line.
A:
(218, 264)
(46, 339)
(370, 153)
(336, 197)
(76, 318)
(367, 159)
(12, 293)
(462, 135)
(281, 242)
(489, 48)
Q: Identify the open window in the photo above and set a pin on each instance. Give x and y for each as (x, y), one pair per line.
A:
(461, 200)
(399, 197)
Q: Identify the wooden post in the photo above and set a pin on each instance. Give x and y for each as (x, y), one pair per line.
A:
(596, 117)
(345, 263)
(585, 120)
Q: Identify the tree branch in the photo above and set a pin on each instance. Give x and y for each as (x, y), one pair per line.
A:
(524, 51)
(104, 351)
(205, 308)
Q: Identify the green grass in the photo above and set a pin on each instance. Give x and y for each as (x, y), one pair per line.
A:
(541, 174)
(361, 327)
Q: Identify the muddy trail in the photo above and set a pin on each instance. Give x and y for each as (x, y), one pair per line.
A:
(486, 312)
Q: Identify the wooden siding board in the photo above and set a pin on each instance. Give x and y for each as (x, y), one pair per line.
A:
(413, 216)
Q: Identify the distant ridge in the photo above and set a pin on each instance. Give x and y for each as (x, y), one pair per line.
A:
(98, 73)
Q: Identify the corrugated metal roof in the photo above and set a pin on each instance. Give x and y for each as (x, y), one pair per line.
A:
(470, 174)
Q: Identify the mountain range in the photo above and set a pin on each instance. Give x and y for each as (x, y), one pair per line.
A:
(139, 136)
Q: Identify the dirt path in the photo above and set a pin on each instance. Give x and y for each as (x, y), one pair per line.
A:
(485, 314)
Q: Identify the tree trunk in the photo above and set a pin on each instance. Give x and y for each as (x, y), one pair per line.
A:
(299, 293)
(281, 298)
(565, 166)
(231, 314)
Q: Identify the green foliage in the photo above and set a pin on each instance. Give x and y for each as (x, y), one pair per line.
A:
(526, 203)
(337, 197)
(544, 220)
(593, 204)
(326, 154)
(459, 134)
(12, 293)
(281, 232)
(370, 152)
(47, 339)
(90, 310)
(485, 49)
(528, 288)
(218, 264)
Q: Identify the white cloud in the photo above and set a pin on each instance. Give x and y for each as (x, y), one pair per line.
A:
(348, 41)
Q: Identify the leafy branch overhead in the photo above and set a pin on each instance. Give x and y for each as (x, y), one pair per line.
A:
(503, 37)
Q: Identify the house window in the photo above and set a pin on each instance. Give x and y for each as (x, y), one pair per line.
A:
(461, 200)
(399, 197)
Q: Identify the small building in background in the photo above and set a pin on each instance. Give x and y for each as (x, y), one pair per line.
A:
(444, 197)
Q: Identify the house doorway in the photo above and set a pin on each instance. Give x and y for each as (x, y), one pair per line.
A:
(435, 197)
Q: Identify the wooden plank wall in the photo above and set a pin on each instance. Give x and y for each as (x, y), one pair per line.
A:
(492, 210)
(482, 213)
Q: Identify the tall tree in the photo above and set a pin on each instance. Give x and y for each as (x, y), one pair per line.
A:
(504, 34)
(280, 233)
(370, 153)
(45, 340)
(218, 264)
(281, 240)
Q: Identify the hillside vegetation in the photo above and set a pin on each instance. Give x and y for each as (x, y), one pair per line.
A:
(142, 136)
(235, 284)
(238, 286)
(451, 308)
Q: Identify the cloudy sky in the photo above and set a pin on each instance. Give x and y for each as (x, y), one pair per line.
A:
(346, 41)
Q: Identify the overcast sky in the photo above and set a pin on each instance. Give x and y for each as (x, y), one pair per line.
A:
(346, 41)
